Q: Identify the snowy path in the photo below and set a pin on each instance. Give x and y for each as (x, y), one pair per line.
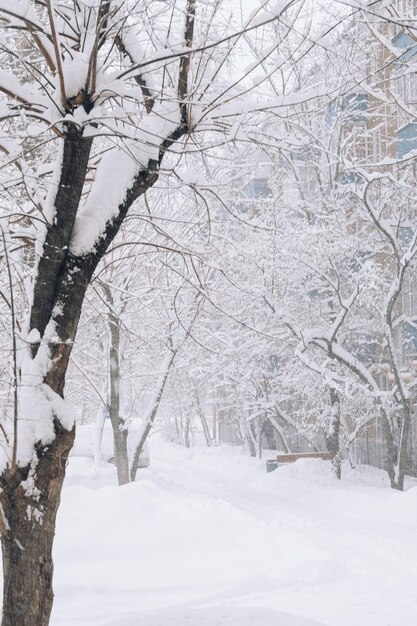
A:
(208, 538)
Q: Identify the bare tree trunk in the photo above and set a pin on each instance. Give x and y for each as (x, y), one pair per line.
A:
(27, 536)
(350, 457)
(332, 434)
(30, 494)
(118, 424)
(251, 442)
(243, 431)
(152, 414)
(402, 450)
(397, 455)
(120, 456)
(59, 291)
(204, 424)
(280, 433)
(187, 430)
(30, 508)
(215, 425)
(389, 441)
(206, 430)
(251, 439)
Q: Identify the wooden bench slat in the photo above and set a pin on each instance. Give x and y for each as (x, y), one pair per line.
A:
(291, 458)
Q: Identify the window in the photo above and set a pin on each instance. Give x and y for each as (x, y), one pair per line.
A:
(406, 139)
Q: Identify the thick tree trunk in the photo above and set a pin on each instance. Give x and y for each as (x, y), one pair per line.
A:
(30, 496)
(27, 536)
(27, 567)
(75, 155)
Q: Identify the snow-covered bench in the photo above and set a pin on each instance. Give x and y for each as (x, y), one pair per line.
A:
(292, 457)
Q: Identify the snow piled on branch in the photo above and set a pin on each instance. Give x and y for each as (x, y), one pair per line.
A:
(115, 176)
(75, 70)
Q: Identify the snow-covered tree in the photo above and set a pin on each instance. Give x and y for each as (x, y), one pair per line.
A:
(108, 90)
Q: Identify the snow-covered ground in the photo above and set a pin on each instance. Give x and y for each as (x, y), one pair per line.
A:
(206, 538)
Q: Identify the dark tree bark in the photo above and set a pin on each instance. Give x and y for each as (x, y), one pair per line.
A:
(30, 510)
(76, 151)
(28, 537)
(30, 495)
(59, 290)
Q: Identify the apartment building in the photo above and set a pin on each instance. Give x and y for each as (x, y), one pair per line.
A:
(375, 129)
